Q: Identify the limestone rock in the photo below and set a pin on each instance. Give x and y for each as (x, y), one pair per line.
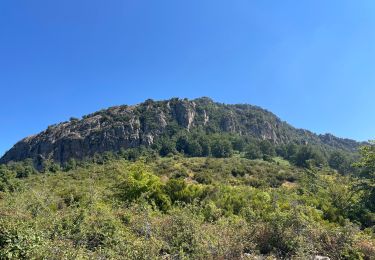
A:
(123, 127)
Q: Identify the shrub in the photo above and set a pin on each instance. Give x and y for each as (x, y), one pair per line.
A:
(142, 184)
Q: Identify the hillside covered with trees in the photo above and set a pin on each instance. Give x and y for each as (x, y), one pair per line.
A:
(138, 204)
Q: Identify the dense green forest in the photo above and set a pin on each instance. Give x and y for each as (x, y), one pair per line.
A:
(192, 196)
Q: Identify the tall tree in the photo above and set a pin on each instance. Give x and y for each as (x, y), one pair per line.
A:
(339, 161)
(221, 148)
(367, 165)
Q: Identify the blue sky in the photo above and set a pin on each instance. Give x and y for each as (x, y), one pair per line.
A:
(310, 62)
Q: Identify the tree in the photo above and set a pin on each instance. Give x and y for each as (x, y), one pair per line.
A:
(367, 161)
(23, 169)
(221, 148)
(167, 147)
(252, 151)
(71, 164)
(238, 143)
(267, 148)
(205, 144)
(281, 150)
(367, 166)
(291, 150)
(7, 179)
(194, 148)
(182, 144)
(307, 156)
(339, 161)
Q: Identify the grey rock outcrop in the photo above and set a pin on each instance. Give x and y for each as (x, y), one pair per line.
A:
(125, 126)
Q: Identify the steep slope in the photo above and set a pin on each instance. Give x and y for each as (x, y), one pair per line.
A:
(131, 126)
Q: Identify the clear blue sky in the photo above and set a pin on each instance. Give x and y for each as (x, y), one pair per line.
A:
(310, 62)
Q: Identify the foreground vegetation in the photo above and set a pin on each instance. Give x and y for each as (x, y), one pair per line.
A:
(137, 205)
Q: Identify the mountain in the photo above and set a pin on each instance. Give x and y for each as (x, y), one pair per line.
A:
(237, 183)
(123, 127)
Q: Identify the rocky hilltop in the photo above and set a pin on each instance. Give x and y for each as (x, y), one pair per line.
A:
(123, 127)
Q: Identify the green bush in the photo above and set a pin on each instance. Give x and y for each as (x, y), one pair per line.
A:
(146, 185)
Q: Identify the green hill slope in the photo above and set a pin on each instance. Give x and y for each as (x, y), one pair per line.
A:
(181, 208)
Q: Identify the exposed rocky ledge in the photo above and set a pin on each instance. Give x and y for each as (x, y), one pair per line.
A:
(132, 126)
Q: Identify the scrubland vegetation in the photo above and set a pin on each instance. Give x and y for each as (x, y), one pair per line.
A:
(139, 205)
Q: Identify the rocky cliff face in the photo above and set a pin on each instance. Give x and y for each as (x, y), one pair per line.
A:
(123, 127)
